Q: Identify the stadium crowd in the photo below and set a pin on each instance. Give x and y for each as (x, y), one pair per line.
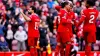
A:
(13, 27)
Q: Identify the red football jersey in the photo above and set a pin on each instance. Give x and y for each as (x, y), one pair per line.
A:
(33, 26)
(64, 21)
(72, 18)
(56, 22)
(89, 17)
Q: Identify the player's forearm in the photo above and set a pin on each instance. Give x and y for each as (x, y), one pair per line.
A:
(25, 17)
(81, 20)
(75, 22)
(55, 25)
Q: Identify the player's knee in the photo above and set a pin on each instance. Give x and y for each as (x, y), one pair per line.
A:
(31, 46)
(89, 44)
(58, 43)
(41, 49)
(68, 42)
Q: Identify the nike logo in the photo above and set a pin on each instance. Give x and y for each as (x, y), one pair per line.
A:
(18, 54)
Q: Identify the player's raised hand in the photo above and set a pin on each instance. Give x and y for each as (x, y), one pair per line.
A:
(21, 11)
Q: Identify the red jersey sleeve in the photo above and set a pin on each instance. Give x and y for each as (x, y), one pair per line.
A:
(74, 19)
(33, 17)
(56, 22)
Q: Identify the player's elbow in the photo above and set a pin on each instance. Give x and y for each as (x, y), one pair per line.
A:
(28, 19)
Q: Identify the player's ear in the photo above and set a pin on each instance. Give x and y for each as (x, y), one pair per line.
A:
(33, 11)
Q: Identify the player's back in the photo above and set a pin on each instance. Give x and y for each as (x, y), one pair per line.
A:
(90, 15)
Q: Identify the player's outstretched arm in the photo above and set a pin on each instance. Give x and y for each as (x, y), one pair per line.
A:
(25, 17)
(81, 21)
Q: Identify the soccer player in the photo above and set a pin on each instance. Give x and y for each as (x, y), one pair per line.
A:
(88, 18)
(64, 33)
(72, 17)
(56, 21)
(33, 31)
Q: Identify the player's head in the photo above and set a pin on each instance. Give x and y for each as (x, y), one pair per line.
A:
(65, 5)
(32, 9)
(90, 3)
(71, 5)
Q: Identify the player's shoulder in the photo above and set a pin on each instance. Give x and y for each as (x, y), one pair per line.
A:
(72, 13)
(85, 10)
(93, 9)
(96, 10)
(62, 11)
(35, 16)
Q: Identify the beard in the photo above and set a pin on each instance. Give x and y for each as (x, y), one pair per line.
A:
(29, 13)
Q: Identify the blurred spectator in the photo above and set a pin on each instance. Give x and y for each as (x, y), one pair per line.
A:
(50, 22)
(38, 7)
(83, 5)
(80, 37)
(96, 46)
(98, 30)
(53, 41)
(36, 3)
(50, 4)
(21, 36)
(74, 1)
(59, 2)
(9, 36)
(97, 5)
(21, 20)
(45, 9)
(3, 44)
(43, 2)
(14, 45)
(14, 24)
(43, 18)
(2, 10)
(2, 27)
(8, 15)
(78, 9)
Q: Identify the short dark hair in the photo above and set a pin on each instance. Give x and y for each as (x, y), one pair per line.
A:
(33, 8)
(90, 2)
(63, 4)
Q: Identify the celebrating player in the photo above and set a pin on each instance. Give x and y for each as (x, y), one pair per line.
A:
(64, 33)
(33, 31)
(89, 17)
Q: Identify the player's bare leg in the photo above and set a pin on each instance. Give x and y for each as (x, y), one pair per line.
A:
(88, 49)
(43, 53)
(68, 49)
